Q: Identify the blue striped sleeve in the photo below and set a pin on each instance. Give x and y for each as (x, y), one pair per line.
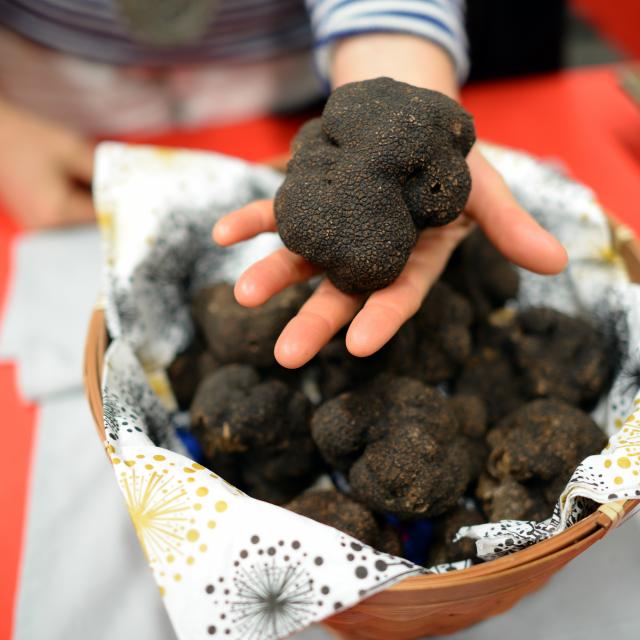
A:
(440, 21)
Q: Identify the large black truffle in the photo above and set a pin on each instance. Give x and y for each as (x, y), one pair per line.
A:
(399, 442)
(385, 161)
(234, 410)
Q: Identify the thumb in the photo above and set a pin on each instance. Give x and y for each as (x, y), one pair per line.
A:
(509, 227)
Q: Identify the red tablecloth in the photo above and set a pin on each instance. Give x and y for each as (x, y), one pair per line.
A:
(580, 118)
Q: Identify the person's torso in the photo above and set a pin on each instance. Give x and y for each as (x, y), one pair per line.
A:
(162, 32)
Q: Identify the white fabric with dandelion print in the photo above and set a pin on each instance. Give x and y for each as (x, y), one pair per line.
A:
(226, 564)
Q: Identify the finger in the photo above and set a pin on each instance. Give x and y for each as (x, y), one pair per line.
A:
(245, 223)
(318, 320)
(388, 309)
(80, 161)
(509, 227)
(270, 275)
(64, 207)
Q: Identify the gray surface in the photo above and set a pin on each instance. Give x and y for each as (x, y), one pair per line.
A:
(54, 287)
(83, 572)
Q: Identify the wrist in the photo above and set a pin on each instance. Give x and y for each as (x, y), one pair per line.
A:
(5, 109)
(7, 122)
(400, 56)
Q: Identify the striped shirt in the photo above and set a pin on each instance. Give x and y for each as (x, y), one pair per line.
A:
(172, 33)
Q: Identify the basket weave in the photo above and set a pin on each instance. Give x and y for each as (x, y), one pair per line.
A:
(437, 604)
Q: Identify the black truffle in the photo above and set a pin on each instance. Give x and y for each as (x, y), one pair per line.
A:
(471, 413)
(187, 369)
(345, 514)
(544, 440)
(386, 160)
(234, 410)
(482, 274)
(490, 374)
(507, 499)
(399, 442)
(497, 330)
(560, 357)
(261, 425)
(234, 333)
(278, 473)
(340, 371)
(431, 346)
(443, 339)
(442, 548)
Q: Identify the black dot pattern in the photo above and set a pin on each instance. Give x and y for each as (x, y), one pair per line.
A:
(275, 589)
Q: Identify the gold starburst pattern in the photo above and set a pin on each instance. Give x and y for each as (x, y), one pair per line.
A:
(174, 509)
(159, 508)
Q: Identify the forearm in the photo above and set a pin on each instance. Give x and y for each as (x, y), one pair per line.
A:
(403, 57)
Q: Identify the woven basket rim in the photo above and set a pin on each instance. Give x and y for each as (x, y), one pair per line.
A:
(595, 526)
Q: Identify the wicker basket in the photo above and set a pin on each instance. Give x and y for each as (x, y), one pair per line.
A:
(437, 604)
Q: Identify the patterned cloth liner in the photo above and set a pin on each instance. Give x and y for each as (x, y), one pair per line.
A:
(226, 564)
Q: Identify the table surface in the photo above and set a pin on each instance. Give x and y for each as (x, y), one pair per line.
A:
(579, 118)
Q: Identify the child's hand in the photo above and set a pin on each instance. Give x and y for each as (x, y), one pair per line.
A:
(491, 205)
(45, 171)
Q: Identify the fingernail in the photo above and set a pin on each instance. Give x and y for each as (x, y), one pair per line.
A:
(219, 231)
(244, 290)
(551, 240)
(290, 354)
(359, 340)
(551, 255)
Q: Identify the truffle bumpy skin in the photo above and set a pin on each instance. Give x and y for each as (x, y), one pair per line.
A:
(235, 411)
(544, 440)
(443, 334)
(234, 333)
(385, 161)
(442, 548)
(341, 512)
(489, 374)
(509, 500)
(257, 431)
(560, 357)
(482, 274)
(400, 443)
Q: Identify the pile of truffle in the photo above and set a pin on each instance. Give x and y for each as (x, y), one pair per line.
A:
(473, 412)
